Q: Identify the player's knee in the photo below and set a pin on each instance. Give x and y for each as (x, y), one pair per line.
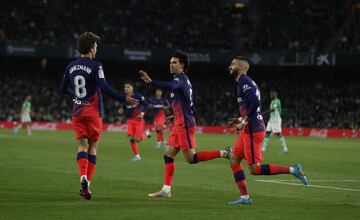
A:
(233, 162)
(253, 169)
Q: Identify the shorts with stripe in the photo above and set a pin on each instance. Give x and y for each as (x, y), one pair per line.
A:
(182, 138)
(248, 147)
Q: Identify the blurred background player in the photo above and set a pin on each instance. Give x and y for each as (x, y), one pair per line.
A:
(84, 80)
(251, 124)
(182, 135)
(159, 105)
(25, 118)
(135, 119)
(274, 123)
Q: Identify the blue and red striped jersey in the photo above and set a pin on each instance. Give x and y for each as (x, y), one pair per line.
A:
(248, 97)
(181, 97)
(133, 111)
(84, 80)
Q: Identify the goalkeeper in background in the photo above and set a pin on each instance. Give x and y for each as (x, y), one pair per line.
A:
(274, 123)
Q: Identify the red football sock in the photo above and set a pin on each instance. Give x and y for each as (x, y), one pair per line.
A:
(82, 162)
(206, 155)
(239, 177)
(134, 147)
(169, 170)
(91, 166)
(270, 169)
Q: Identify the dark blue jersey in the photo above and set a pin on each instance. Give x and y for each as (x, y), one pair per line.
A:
(84, 80)
(248, 97)
(181, 97)
(133, 111)
(159, 106)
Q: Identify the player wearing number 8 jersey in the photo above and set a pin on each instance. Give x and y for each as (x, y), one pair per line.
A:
(182, 135)
(84, 80)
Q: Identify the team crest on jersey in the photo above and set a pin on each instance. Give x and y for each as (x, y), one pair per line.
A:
(172, 95)
(101, 72)
(246, 87)
(239, 99)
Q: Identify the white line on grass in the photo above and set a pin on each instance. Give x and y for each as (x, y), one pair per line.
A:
(313, 186)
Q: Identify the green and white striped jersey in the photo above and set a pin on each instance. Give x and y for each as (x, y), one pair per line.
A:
(26, 108)
(275, 115)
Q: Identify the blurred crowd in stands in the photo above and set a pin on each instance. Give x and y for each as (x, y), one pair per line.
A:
(317, 104)
(271, 25)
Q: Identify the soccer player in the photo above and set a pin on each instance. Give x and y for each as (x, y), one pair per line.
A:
(135, 119)
(84, 80)
(251, 124)
(25, 116)
(182, 135)
(274, 123)
(159, 105)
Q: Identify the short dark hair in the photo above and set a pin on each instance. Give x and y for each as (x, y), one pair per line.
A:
(86, 41)
(183, 58)
(241, 58)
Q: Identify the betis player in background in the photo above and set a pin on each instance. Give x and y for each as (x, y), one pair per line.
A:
(274, 123)
(25, 116)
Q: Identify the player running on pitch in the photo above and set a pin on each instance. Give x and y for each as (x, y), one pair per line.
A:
(251, 124)
(159, 105)
(135, 119)
(182, 135)
(274, 123)
(84, 80)
(25, 116)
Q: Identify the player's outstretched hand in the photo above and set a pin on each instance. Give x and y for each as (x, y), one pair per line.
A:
(144, 76)
(131, 101)
(170, 120)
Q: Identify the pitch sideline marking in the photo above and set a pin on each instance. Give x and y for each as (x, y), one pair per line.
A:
(310, 185)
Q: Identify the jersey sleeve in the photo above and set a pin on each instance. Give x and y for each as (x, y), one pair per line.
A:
(104, 87)
(143, 102)
(65, 83)
(176, 83)
(252, 94)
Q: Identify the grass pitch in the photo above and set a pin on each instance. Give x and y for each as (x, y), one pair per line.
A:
(39, 180)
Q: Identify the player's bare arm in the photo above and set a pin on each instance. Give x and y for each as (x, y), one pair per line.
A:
(267, 111)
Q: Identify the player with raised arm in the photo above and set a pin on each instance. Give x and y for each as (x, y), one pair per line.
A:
(25, 118)
(84, 80)
(251, 124)
(135, 119)
(182, 135)
(159, 105)
(274, 123)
